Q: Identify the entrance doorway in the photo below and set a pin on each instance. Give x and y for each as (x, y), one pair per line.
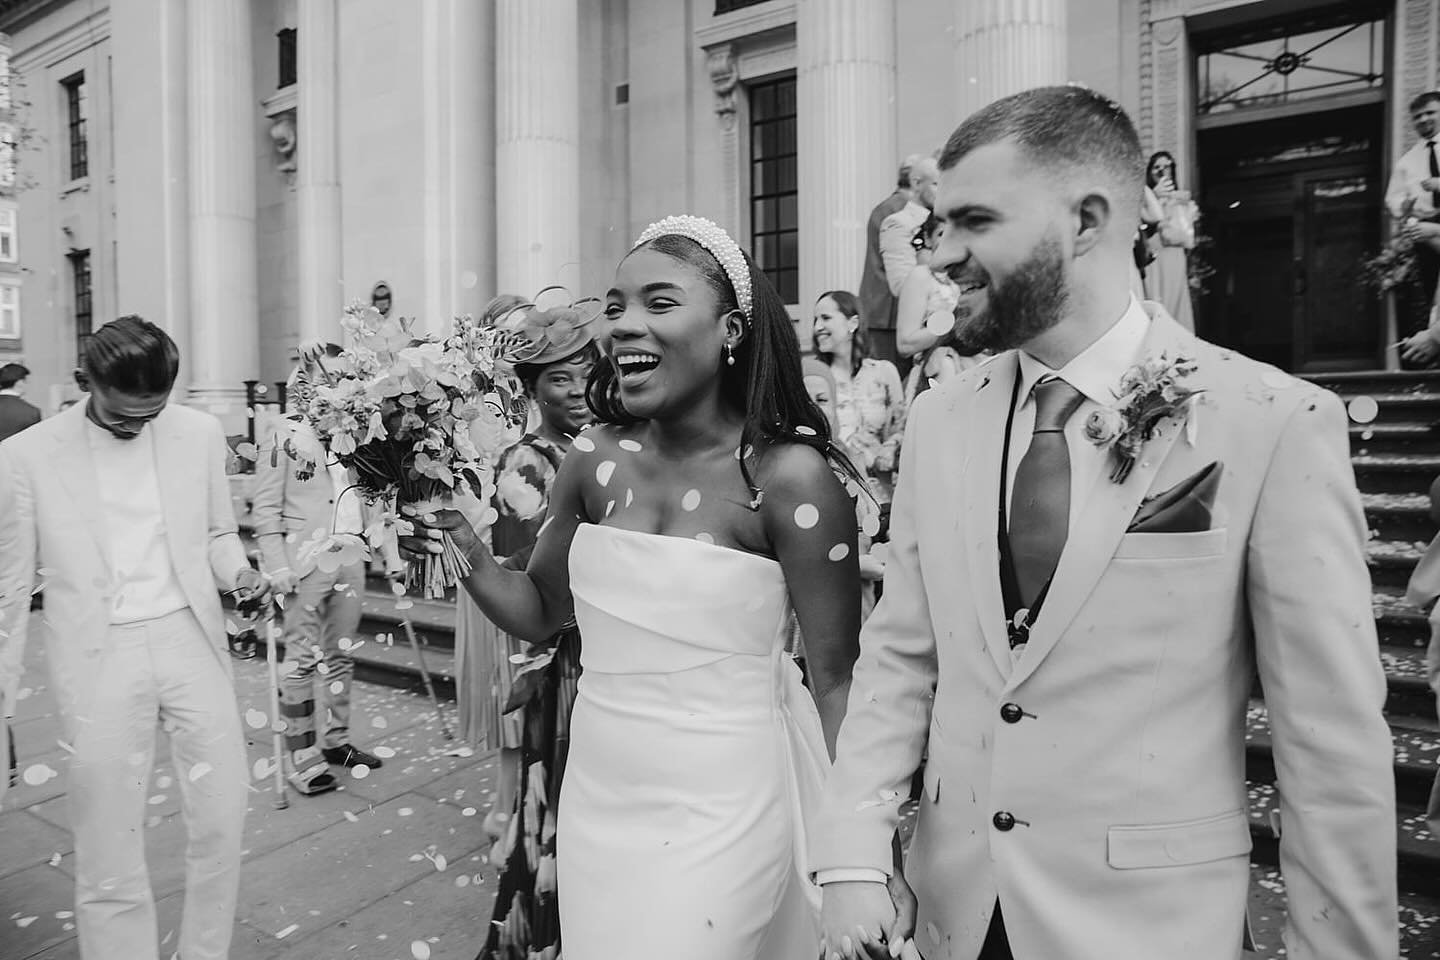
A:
(1293, 205)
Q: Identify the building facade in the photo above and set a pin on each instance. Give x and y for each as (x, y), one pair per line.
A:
(238, 170)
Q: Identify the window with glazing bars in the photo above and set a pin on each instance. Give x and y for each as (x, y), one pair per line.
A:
(80, 281)
(774, 211)
(75, 114)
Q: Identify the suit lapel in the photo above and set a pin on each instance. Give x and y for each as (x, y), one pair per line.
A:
(980, 452)
(75, 467)
(1103, 521)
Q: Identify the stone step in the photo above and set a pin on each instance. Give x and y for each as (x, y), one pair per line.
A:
(1383, 438)
(1398, 516)
(1401, 626)
(1408, 473)
(1419, 851)
(1391, 561)
(1355, 383)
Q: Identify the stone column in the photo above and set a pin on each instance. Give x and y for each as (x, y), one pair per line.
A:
(458, 124)
(317, 179)
(537, 154)
(224, 303)
(845, 91)
(1005, 46)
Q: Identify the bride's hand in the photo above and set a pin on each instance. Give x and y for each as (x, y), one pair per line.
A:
(462, 515)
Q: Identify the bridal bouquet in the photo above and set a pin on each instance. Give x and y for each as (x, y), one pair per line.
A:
(397, 410)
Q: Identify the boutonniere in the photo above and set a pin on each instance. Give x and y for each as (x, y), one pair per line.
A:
(1149, 392)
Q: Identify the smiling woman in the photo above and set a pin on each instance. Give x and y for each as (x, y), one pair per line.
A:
(680, 532)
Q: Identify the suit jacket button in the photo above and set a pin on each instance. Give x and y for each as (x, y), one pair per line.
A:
(1003, 821)
(1011, 713)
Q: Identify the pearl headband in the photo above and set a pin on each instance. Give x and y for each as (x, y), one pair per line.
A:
(715, 240)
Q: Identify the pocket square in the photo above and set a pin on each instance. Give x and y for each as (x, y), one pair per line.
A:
(1187, 507)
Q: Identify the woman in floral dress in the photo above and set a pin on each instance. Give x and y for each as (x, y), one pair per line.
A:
(553, 354)
(870, 401)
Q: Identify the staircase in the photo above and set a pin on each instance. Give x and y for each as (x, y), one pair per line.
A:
(1396, 457)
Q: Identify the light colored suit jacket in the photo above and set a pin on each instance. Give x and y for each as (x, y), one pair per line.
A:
(287, 511)
(896, 250)
(51, 521)
(1125, 774)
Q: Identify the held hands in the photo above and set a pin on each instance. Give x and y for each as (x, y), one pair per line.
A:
(251, 589)
(863, 920)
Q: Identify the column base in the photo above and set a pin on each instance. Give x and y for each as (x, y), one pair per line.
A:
(225, 403)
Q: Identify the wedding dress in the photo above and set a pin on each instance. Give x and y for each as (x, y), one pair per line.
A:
(695, 753)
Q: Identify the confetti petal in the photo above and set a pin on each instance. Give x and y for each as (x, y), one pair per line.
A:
(359, 771)
(404, 603)
(384, 753)
(690, 501)
(337, 686)
(255, 719)
(37, 774)
(405, 811)
(630, 445)
(379, 723)
(584, 444)
(805, 431)
(806, 516)
(604, 471)
(287, 931)
(840, 551)
(420, 950)
(468, 812)
(705, 538)
(199, 770)
(350, 816)
(1364, 409)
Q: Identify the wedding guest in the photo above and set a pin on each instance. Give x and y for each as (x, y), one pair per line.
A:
(679, 532)
(1076, 607)
(1421, 593)
(897, 252)
(1413, 200)
(870, 401)
(820, 385)
(124, 504)
(875, 295)
(925, 321)
(553, 355)
(1167, 276)
(293, 513)
(15, 413)
(483, 668)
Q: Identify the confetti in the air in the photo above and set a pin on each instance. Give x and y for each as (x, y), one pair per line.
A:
(840, 551)
(806, 516)
(690, 501)
(604, 471)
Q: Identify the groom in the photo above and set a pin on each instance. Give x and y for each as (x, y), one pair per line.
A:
(122, 506)
(1073, 640)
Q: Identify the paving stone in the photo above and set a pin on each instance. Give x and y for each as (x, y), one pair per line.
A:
(38, 892)
(450, 918)
(27, 840)
(336, 870)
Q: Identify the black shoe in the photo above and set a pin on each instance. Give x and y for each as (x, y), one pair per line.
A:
(349, 756)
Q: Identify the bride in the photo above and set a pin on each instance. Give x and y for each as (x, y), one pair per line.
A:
(682, 530)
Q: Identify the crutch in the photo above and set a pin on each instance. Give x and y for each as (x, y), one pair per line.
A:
(277, 723)
(425, 675)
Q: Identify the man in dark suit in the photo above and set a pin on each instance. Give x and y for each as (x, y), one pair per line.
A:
(15, 413)
(876, 300)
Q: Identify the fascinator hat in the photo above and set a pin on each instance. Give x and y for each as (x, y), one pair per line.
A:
(717, 243)
(548, 328)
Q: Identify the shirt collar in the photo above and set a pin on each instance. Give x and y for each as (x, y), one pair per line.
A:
(1096, 370)
(7, 392)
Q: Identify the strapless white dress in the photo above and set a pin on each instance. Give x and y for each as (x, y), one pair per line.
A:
(695, 752)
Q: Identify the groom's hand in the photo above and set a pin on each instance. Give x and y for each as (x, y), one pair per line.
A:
(856, 917)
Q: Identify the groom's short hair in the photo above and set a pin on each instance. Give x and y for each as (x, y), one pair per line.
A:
(133, 355)
(1063, 129)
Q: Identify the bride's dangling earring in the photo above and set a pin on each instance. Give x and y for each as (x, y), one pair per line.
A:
(729, 355)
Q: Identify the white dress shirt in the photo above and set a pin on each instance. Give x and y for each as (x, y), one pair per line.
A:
(347, 518)
(142, 578)
(1095, 372)
(1413, 166)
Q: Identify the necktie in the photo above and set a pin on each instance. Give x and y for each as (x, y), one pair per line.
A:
(1040, 507)
(1434, 172)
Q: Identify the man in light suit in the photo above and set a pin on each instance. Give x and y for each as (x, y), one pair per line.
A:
(123, 505)
(1074, 640)
(897, 231)
(876, 300)
(294, 511)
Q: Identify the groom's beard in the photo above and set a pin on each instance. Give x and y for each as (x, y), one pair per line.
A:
(1026, 304)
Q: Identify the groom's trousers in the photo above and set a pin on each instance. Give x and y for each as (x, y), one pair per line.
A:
(996, 945)
(157, 670)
